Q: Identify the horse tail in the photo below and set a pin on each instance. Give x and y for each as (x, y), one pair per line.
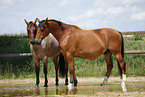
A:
(122, 46)
(122, 53)
(61, 65)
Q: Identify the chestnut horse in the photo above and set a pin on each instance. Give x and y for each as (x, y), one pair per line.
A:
(87, 44)
(48, 48)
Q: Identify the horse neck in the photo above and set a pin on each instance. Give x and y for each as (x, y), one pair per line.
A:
(57, 32)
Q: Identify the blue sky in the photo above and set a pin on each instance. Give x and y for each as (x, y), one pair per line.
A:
(122, 15)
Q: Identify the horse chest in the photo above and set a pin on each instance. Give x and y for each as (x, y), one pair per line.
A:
(49, 50)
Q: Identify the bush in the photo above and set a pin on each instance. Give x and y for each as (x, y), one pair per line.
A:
(14, 65)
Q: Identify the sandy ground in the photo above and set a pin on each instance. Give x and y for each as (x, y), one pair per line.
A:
(84, 81)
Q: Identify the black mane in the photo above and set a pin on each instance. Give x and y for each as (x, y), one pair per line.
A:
(59, 22)
(42, 25)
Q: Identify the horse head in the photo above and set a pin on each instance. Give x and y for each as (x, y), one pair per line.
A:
(42, 30)
(31, 30)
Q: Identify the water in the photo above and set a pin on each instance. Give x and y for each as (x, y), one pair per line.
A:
(83, 89)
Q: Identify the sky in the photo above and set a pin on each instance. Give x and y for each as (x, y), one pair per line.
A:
(122, 15)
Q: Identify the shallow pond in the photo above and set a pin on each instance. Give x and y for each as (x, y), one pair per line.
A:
(83, 89)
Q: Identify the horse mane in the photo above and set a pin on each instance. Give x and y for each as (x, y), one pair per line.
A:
(61, 24)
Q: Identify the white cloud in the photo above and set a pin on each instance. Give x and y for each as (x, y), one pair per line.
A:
(4, 4)
(66, 2)
(115, 10)
(9, 2)
(135, 9)
(94, 12)
(90, 13)
(125, 10)
(138, 16)
(133, 1)
(3, 7)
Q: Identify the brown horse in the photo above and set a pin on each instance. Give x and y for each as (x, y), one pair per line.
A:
(48, 48)
(87, 44)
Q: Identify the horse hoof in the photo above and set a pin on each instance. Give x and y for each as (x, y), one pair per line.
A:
(75, 82)
(56, 84)
(45, 85)
(66, 83)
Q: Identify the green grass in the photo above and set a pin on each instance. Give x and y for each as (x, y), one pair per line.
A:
(22, 67)
(135, 45)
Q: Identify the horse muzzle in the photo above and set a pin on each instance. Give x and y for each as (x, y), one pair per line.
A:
(38, 41)
(32, 42)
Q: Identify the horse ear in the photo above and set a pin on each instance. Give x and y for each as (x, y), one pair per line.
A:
(45, 22)
(26, 21)
(37, 20)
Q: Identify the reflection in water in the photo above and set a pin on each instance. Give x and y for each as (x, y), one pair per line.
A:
(37, 91)
(123, 86)
(46, 90)
(59, 90)
(84, 89)
(105, 87)
(64, 90)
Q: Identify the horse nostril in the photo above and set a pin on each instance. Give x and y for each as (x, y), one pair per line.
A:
(32, 42)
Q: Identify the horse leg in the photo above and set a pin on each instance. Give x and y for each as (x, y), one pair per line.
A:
(56, 69)
(73, 78)
(45, 62)
(109, 64)
(123, 67)
(66, 67)
(66, 75)
(37, 68)
(66, 72)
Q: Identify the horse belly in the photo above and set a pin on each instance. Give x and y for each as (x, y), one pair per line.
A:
(90, 52)
(53, 52)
